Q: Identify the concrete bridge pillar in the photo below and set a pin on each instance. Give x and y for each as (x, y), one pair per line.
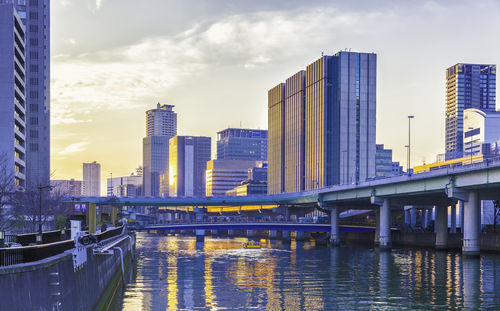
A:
(413, 216)
(302, 236)
(334, 227)
(472, 220)
(441, 227)
(377, 227)
(426, 217)
(251, 233)
(285, 236)
(407, 215)
(385, 225)
(461, 211)
(273, 234)
(453, 218)
(200, 235)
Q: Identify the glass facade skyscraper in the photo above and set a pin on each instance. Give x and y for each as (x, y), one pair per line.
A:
(188, 157)
(467, 86)
(35, 15)
(331, 108)
(242, 144)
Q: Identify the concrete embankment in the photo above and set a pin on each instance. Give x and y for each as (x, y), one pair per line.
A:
(55, 283)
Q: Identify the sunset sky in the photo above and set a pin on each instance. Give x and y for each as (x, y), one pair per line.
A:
(215, 61)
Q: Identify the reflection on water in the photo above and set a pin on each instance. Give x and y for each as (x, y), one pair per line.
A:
(177, 273)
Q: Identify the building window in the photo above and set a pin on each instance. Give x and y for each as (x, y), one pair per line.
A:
(33, 147)
(34, 121)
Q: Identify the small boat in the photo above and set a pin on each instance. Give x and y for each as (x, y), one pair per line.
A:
(252, 244)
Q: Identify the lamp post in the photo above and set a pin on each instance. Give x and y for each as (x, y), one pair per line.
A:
(409, 142)
(39, 236)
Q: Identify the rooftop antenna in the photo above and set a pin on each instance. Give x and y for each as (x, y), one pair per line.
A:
(322, 54)
(349, 49)
(240, 123)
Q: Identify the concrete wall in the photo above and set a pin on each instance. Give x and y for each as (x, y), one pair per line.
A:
(52, 283)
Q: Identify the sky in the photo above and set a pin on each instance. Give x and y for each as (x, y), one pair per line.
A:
(111, 60)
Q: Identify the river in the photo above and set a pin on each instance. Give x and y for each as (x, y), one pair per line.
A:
(177, 273)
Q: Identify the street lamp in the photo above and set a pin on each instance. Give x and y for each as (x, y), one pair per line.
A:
(39, 236)
(409, 142)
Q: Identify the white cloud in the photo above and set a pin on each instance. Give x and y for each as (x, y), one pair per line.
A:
(74, 148)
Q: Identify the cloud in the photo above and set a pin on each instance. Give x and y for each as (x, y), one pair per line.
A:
(74, 148)
(122, 77)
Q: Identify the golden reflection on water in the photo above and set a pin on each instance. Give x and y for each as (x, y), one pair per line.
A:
(281, 277)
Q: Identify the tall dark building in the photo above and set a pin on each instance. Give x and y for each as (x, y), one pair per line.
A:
(12, 96)
(242, 144)
(188, 156)
(35, 14)
(325, 116)
(467, 86)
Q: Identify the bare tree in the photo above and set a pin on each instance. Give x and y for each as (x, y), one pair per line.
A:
(8, 190)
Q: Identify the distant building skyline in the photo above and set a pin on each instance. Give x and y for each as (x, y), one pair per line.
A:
(337, 95)
(67, 187)
(467, 86)
(384, 165)
(188, 157)
(91, 185)
(124, 186)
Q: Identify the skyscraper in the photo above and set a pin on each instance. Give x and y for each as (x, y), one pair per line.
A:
(91, 179)
(276, 139)
(467, 86)
(187, 162)
(12, 95)
(155, 164)
(337, 95)
(35, 15)
(161, 121)
(242, 144)
(161, 125)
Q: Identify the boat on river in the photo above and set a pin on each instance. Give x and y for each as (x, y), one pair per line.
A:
(252, 244)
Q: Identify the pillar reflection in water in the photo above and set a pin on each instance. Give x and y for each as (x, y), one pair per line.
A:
(471, 283)
(383, 271)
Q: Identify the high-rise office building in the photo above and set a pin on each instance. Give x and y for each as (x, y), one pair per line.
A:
(187, 163)
(91, 179)
(276, 139)
(242, 144)
(337, 95)
(35, 15)
(161, 125)
(294, 132)
(12, 95)
(467, 86)
(155, 164)
(161, 121)
(226, 174)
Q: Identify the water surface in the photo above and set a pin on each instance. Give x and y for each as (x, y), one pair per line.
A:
(177, 273)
